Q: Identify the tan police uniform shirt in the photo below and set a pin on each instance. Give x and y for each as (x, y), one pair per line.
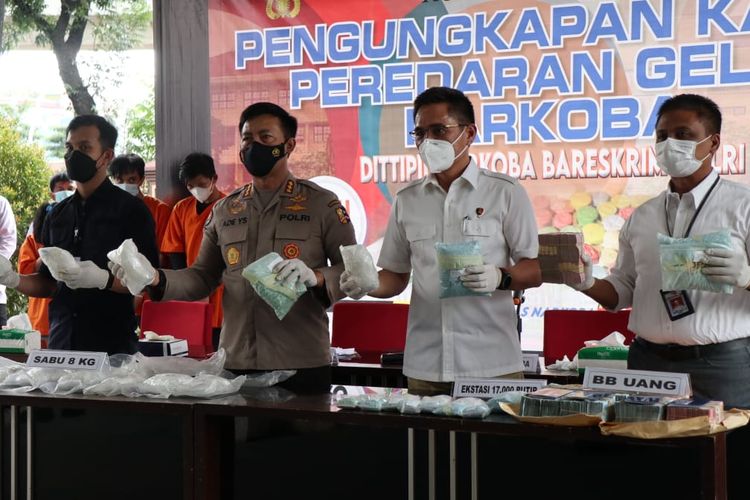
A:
(302, 221)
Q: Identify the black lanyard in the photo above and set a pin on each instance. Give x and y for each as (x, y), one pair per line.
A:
(697, 211)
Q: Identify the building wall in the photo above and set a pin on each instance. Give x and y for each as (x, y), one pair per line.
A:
(182, 89)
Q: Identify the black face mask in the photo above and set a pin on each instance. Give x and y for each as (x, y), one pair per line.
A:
(81, 167)
(260, 159)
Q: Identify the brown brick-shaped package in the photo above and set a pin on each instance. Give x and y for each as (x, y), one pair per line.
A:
(560, 258)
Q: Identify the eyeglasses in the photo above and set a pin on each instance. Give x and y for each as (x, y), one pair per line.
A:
(436, 131)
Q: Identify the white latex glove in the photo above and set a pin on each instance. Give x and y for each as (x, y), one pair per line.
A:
(481, 279)
(88, 275)
(289, 271)
(588, 280)
(352, 286)
(726, 266)
(119, 272)
(8, 276)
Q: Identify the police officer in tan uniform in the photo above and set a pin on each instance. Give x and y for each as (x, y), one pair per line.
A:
(299, 220)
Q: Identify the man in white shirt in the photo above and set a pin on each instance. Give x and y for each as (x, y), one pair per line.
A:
(472, 336)
(7, 247)
(702, 333)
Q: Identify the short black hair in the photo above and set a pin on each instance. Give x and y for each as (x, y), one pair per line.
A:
(458, 104)
(288, 122)
(707, 110)
(107, 131)
(124, 164)
(196, 164)
(61, 177)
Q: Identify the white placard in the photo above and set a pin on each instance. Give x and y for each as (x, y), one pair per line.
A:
(530, 362)
(486, 388)
(644, 382)
(68, 360)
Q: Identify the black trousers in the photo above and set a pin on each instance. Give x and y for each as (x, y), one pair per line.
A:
(3, 314)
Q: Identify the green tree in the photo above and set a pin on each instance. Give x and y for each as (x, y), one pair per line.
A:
(2, 20)
(23, 181)
(54, 142)
(141, 129)
(115, 26)
(13, 114)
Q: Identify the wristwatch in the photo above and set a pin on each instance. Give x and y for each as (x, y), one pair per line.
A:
(110, 281)
(505, 280)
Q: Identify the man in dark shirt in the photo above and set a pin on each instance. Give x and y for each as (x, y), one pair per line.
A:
(90, 310)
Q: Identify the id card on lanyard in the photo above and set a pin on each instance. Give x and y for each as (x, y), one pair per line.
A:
(677, 302)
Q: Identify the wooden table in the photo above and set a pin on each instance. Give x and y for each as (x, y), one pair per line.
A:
(271, 441)
(88, 447)
(427, 456)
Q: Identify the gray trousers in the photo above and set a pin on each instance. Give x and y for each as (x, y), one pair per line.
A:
(720, 371)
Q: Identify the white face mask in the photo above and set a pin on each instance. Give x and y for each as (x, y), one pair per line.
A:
(439, 155)
(61, 195)
(202, 194)
(677, 157)
(129, 188)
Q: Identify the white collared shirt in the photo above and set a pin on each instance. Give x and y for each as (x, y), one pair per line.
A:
(459, 336)
(8, 240)
(637, 274)
(681, 209)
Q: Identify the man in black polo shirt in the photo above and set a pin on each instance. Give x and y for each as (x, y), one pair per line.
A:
(90, 311)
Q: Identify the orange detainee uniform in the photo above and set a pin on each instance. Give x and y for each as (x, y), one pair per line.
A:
(160, 211)
(38, 307)
(184, 235)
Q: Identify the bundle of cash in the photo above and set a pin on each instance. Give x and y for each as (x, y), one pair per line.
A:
(560, 258)
(641, 408)
(543, 403)
(696, 407)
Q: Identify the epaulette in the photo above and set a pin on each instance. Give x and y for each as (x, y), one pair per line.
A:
(237, 191)
(320, 189)
(235, 195)
(311, 185)
(412, 184)
(498, 175)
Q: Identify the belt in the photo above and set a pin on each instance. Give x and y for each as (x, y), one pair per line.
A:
(677, 352)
